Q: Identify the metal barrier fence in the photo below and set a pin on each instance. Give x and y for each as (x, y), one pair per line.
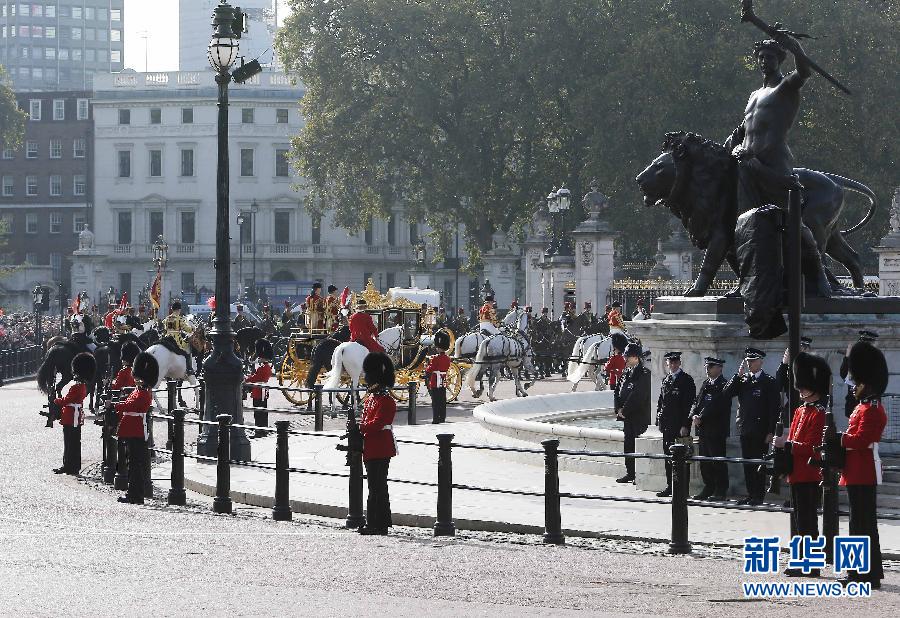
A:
(891, 402)
(20, 362)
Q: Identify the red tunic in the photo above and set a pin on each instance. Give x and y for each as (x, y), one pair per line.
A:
(805, 436)
(72, 413)
(375, 425)
(487, 313)
(866, 426)
(437, 370)
(123, 379)
(133, 414)
(615, 320)
(614, 368)
(262, 374)
(364, 332)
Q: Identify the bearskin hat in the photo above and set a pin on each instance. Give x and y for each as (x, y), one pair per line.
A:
(812, 373)
(379, 369)
(129, 352)
(442, 340)
(619, 341)
(866, 364)
(146, 369)
(84, 367)
(264, 350)
(633, 349)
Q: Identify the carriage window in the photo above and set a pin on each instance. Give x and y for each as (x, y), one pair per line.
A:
(411, 326)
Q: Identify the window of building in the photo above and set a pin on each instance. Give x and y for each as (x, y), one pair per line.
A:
(281, 116)
(282, 227)
(56, 222)
(90, 34)
(187, 115)
(31, 186)
(79, 181)
(55, 187)
(7, 226)
(76, 12)
(156, 225)
(390, 279)
(317, 230)
(34, 109)
(31, 149)
(37, 32)
(125, 284)
(55, 148)
(78, 148)
(246, 162)
(115, 15)
(59, 109)
(247, 115)
(50, 32)
(101, 55)
(156, 163)
(50, 54)
(31, 224)
(102, 14)
(63, 53)
(37, 74)
(82, 109)
(413, 234)
(9, 153)
(89, 13)
(187, 161)
(50, 11)
(90, 55)
(56, 266)
(8, 186)
(188, 220)
(115, 55)
(78, 222)
(31, 258)
(281, 162)
(76, 54)
(124, 228)
(25, 10)
(124, 116)
(391, 226)
(102, 34)
(187, 282)
(368, 234)
(124, 164)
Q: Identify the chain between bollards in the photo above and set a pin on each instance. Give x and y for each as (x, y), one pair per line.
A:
(552, 518)
(444, 525)
(281, 511)
(679, 543)
(177, 495)
(222, 501)
(317, 406)
(413, 388)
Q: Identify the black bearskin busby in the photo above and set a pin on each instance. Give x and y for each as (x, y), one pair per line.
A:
(129, 352)
(264, 350)
(146, 369)
(619, 341)
(867, 365)
(812, 373)
(379, 369)
(84, 367)
(442, 340)
(633, 349)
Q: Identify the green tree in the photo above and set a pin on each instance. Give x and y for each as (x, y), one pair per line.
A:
(12, 120)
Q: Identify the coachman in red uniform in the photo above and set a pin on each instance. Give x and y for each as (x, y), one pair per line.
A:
(436, 374)
(861, 471)
(72, 413)
(376, 426)
(363, 329)
(124, 378)
(259, 395)
(133, 426)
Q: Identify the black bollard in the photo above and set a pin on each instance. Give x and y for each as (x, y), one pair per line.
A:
(222, 501)
(355, 517)
(319, 418)
(120, 481)
(552, 518)
(413, 388)
(444, 525)
(171, 404)
(201, 396)
(679, 543)
(110, 447)
(177, 495)
(281, 511)
(830, 516)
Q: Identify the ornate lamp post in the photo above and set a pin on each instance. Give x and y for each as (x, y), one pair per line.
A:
(241, 221)
(552, 208)
(486, 290)
(563, 202)
(41, 297)
(222, 368)
(254, 208)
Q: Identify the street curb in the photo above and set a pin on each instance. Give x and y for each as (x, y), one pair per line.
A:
(27, 378)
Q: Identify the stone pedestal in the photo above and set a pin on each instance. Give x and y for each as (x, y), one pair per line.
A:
(557, 271)
(714, 326)
(421, 278)
(87, 272)
(593, 261)
(888, 251)
(678, 254)
(500, 266)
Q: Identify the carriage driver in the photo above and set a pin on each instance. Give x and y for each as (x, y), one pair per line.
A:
(176, 327)
(487, 316)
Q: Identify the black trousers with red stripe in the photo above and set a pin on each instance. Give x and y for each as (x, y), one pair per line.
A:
(71, 449)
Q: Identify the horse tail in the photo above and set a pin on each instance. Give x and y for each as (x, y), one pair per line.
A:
(46, 375)
(577, 352)
(856, 187)
(333, 378)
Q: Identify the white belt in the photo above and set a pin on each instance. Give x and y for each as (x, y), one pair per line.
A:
(388, 427)
(133, 413)
(143, 416)
(439, 375)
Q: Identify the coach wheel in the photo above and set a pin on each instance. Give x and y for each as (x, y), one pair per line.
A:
(293, 375)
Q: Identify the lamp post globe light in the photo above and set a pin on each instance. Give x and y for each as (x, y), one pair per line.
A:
(563, 202)
(222, 368)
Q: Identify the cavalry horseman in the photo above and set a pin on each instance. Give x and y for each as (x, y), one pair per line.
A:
(487, 317)
(175, 329)
(362, 328)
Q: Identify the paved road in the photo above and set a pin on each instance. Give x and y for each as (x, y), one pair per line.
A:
(68, 548)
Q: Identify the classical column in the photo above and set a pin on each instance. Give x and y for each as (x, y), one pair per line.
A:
(593, 263)
(888, 251)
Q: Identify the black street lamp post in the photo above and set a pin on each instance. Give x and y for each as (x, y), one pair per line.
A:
(241, 221)
(61, 295)
(254, 208)
(558, 202)
(222, 369)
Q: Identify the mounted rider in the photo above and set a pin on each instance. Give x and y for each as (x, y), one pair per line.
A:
(362, 328)
(315, 309)
(487, 317)
(240, 320)
(175, 331)
(267, 323)
(615, 320)
(332, 309)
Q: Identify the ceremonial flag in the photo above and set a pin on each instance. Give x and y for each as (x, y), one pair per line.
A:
(156, 291)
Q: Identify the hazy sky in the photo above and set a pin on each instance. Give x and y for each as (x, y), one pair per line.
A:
(156, 23)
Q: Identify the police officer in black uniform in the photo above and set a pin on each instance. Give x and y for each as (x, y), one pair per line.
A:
(711, 416)
(759, 401)
(673, 409)
(633, 407)
(850, 400)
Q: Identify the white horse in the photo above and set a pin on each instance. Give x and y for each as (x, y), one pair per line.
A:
(591, 363)
(578, 351)
(172, 366)
(495, 353)
(348, 357)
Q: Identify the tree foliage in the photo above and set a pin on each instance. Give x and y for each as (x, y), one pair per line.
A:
(12, 120)
(472, 110)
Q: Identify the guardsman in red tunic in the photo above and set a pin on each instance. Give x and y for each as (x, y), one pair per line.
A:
(363, 329)
(124, 377)
(812, 378)
(72, 413)
(376, 426)
(133, 425)
(861, 471)
(259, 395)
(436, 374)
(332, 310)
